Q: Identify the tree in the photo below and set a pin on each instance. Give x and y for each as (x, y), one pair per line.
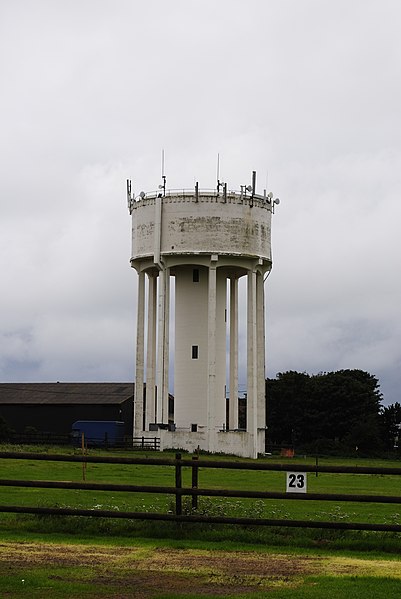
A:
(327, 408)
(390, 425)
(286, 397)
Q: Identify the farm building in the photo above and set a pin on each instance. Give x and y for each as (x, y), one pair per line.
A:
(53, 407)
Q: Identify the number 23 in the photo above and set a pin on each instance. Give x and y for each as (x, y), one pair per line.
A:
(296, 481)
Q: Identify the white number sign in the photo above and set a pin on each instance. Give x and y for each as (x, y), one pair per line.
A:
(296, 482)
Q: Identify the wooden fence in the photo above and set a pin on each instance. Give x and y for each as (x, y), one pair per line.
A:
(296, 474)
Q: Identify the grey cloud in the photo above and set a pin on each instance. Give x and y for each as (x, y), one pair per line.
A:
(307, 93)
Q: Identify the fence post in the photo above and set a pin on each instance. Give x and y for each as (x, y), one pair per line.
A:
(155, 443)
(194, 481)
(178, 485)
(83, 455)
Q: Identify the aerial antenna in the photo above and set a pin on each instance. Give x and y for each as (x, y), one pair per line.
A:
(219, 184)
(163, 185)
(130, 199)
(252, 188)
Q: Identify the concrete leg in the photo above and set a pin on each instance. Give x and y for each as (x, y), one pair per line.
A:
(140, 350)
(233, 377)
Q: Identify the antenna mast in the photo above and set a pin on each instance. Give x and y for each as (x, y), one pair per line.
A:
(130, 199)
(163, 186)
(219, 184)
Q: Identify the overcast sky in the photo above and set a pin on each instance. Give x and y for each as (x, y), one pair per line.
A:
(305, 92)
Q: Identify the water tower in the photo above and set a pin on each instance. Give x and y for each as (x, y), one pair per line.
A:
(190, 248)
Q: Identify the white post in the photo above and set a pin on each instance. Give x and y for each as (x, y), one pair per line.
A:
(252, 362)
(151, 351)
(140, 351)
(233, 409)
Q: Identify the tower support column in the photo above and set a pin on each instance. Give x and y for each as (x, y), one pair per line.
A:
(166, 346)
(261, 352)
(211, 355)
(252, 362)
(261, 357)
(151, 351)
(163, 346)
(140, 351)
(233, 376)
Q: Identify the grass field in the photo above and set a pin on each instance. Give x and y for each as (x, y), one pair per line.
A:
(86, 557)
(208, 478)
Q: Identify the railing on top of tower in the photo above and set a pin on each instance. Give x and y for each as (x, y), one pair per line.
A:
(245, 194)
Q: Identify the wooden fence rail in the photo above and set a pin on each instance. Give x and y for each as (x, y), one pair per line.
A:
(194, 491)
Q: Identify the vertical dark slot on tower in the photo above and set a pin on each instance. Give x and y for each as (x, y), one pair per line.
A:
(195, 275)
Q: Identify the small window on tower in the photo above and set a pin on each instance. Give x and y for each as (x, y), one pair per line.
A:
(195, 352)
(195, 275)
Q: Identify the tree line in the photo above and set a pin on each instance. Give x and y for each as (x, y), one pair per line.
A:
(338, 411)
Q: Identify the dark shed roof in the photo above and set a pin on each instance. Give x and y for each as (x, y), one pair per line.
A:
(65, 393)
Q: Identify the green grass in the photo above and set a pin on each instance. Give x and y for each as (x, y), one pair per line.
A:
(347, 565)
(68, 583)
(60, 583)
(322, 588)
(210, 478)
(148, 570)
(213, 478)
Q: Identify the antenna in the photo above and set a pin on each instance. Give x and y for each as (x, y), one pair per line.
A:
(163, 185)
(130, 199)
(218, 174)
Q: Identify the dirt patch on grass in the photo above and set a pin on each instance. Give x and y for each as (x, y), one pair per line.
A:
(21, 554)
(143, 573)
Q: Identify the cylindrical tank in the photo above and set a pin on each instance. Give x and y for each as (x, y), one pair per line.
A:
(236, 225)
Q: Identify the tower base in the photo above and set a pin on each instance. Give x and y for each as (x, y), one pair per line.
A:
(238, 443)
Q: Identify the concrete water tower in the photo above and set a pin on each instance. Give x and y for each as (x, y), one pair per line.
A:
(190, 248)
